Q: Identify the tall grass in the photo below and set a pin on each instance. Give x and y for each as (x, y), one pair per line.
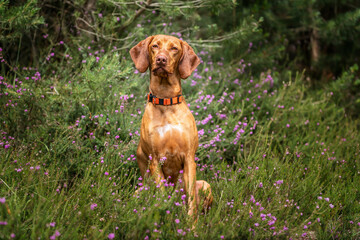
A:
(282, 158)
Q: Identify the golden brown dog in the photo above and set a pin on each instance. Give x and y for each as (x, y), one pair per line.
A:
(168, 129)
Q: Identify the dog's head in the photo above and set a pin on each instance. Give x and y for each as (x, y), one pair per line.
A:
(165, 55)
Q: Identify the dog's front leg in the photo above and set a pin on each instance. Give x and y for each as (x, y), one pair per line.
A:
(156, 172)
(190, 185)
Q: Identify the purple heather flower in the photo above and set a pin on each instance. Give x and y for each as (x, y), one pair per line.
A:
(279, 182)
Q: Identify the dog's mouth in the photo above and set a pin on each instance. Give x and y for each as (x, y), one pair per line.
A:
(161, 71)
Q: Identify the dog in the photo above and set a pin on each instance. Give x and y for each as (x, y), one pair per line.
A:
(168, 136)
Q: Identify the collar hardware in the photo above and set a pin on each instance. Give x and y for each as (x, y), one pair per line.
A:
(164, 101)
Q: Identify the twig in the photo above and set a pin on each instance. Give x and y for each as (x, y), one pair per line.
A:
(132, 19)
(104, 36)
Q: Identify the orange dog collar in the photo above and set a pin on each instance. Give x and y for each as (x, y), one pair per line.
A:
(164, 101)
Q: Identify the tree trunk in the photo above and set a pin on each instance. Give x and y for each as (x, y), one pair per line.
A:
(315, 48)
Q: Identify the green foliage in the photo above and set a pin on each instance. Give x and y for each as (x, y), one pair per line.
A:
(327, 28)
(77, 168)
(16, 21)
(346, 90)
(281, 155)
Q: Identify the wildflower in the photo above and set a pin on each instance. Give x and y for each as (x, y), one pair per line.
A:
(279, 182)
(177, 221)
(162, 160)
(2, 200)
(93, 206)
(331, 206)
(111, 236)
(271, 222)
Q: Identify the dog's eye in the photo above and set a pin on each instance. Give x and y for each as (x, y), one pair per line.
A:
(155, 46)
(174, 48)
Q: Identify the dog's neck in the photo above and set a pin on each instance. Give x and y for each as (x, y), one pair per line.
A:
(165, 87)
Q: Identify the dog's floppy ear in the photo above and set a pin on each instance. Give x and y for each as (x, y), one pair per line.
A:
(188, 62)
(140, 54)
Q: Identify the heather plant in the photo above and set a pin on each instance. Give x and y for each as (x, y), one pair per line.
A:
(281, 155)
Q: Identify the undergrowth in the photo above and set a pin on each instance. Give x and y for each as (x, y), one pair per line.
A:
(282, 158)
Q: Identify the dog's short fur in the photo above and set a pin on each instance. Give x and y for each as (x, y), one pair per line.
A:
(169, 131)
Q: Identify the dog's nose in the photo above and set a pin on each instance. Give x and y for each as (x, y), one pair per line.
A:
(161, 60)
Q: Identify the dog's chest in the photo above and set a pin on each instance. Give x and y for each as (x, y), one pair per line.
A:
(169, 129)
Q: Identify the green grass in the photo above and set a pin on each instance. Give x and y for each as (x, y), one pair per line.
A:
(63, 157)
